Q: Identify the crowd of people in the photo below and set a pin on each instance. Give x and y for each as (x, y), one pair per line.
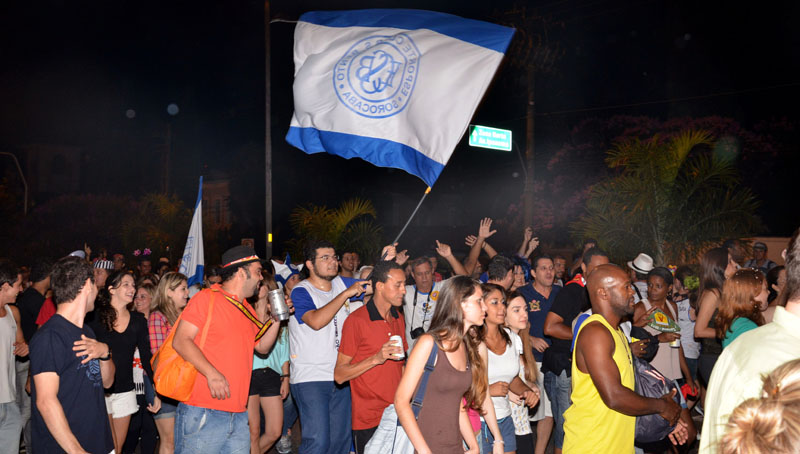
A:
(495, 353)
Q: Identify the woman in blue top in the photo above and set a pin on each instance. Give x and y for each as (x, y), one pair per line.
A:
(744, 297)
(269, 384)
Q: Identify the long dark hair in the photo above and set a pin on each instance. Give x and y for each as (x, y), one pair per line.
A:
(447, 324)
(106, 314)
(483, 330)
(772, 279)
(712, 271)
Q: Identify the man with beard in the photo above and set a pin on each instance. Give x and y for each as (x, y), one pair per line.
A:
(321, 305)
(214, 418)
(602, 417)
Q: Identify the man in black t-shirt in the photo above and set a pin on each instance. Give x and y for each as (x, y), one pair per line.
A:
(69, 414)
(556, 364)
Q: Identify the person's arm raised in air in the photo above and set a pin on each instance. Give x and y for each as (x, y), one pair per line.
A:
(526, 238)
(445, 251)
(708, 304)
(484, 232)
(594, 352)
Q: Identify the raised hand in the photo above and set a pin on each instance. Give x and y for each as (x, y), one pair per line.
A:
(402, 257)
(485, 229)
(443, 249)
(469, 240)
(527, 235)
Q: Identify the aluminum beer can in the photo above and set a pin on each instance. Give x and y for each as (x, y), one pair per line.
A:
(277, 305)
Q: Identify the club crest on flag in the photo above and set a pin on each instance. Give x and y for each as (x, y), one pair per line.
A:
(376, 76)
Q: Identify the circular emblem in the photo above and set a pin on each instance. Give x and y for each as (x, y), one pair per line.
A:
(376, 76)
(435, 295)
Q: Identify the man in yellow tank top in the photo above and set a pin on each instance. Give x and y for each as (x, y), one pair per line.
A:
(602, 417)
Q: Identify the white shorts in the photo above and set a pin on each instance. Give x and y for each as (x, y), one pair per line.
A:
(543, 410)
(120, 405)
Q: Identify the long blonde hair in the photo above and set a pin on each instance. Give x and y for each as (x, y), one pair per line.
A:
(162, 302)
(447, 325)
(770, 423)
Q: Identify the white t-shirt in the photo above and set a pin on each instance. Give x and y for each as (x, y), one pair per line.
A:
(691, 348)
(421, 313)
(505, 368)
(313, 353)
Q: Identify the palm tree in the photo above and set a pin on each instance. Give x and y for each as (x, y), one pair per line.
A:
(672, 198)
(348, 227)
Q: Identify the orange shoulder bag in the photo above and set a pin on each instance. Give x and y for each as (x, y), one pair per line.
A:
(174, 376)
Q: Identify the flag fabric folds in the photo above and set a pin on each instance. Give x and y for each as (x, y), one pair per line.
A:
(192, 261)
(396, 88)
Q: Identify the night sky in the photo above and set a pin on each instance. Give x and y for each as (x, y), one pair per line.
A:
(71, 71)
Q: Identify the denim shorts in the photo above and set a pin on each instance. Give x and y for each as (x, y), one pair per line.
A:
(486, 439)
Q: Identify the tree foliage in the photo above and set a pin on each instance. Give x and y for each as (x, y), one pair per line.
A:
(671, 197)
(351, 226)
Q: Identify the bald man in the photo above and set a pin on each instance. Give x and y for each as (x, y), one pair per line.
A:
(602, 417)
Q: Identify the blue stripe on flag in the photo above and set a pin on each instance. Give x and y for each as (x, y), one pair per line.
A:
(381, 152)
(484, 34)
(197, 277)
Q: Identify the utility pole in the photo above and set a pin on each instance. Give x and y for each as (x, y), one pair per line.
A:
(267, 135)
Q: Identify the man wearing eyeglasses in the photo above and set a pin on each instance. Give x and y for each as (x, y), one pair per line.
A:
(322, 304)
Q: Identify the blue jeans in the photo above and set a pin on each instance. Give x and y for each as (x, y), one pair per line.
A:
(289, 414)
(324, 416)
(10, 427)
(558, 389)
(204, 431)
(486, 439)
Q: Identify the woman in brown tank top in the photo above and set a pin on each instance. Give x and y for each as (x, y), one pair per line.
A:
(459, 372)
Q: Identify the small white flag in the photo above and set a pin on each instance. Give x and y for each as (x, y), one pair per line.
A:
(193, 260)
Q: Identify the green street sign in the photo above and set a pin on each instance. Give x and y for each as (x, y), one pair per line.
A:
(492, 138)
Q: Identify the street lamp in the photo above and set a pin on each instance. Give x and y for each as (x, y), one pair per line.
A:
(22, 177)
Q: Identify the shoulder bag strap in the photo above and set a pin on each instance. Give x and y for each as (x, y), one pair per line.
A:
(262, 327)
(416, 404)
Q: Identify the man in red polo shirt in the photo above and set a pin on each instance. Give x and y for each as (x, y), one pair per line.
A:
(366, 347)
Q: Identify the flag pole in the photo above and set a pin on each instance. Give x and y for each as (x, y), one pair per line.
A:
(427, 191)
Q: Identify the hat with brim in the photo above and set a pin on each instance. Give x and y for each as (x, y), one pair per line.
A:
(758, 245)
(239, 255)
(642, 264)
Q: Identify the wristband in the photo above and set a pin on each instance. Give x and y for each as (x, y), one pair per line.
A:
(107, 357)
(499, 441)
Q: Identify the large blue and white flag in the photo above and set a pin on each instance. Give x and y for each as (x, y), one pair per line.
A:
(192, 260)
(396, 88)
